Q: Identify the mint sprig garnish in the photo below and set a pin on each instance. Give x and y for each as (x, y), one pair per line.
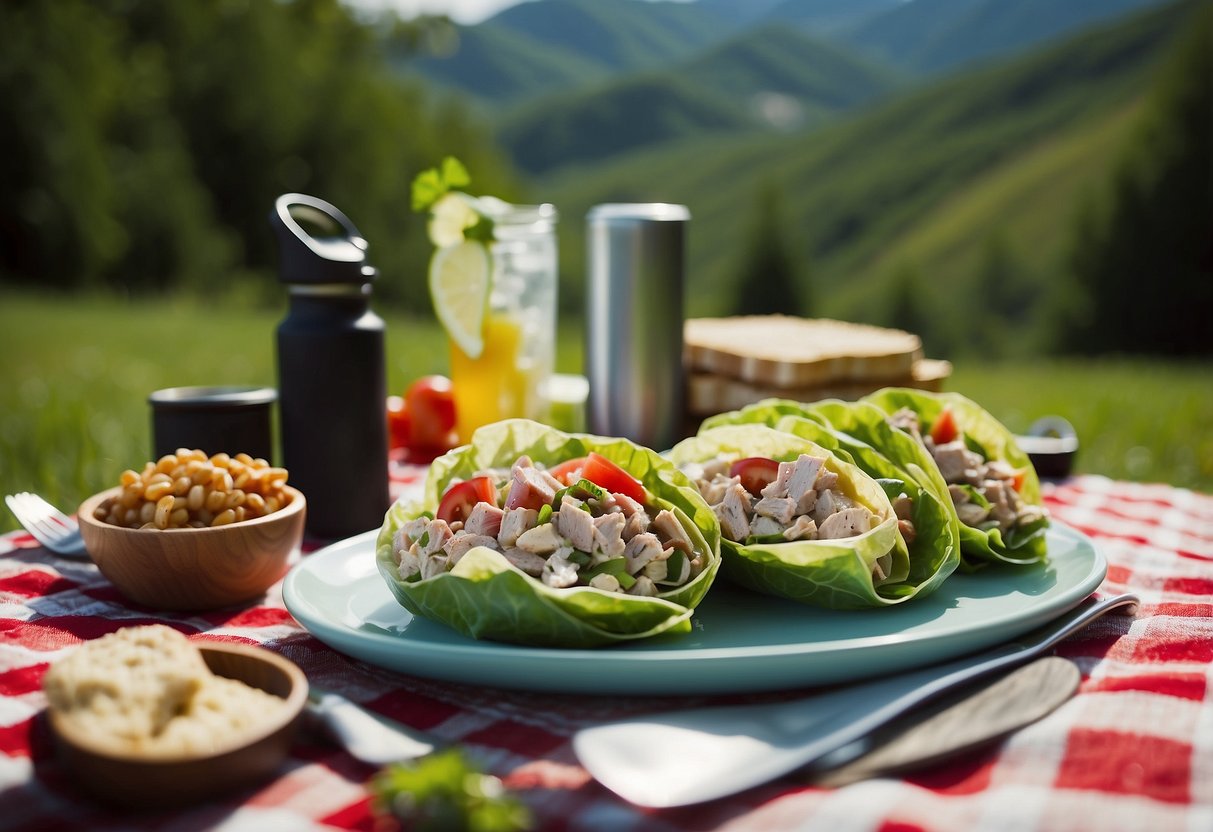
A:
(432, 184)
(431, 188)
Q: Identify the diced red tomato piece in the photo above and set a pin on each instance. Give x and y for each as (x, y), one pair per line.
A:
(606, 474)
(944, 430)
(756, 472)
(569, 471)
(459, 500)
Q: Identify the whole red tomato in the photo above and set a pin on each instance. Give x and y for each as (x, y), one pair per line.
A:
(430, 403)
(398, 423)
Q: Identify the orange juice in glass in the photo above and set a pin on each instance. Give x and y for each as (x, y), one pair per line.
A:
(509, 378)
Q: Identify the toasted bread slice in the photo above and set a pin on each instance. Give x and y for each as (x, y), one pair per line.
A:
(709, 394)
(794, 353)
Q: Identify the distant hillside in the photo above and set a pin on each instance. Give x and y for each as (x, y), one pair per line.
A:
(938, 35)
(774, 77)
(501, 65)
(828, 16)
(739, 11)
(645, 111)
(538, 48)
(979, 172)
(545, 46)
(620, 34)
(776, 59)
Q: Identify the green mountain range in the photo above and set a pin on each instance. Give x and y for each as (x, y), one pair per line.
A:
(622, 34)
(828, 16)
(915, 161)
(544, 46)
(771, 78)
(535, 48)
(948, 192)
(939, 35)
(498, 66)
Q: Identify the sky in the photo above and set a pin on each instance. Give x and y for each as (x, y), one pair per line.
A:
(462, 11)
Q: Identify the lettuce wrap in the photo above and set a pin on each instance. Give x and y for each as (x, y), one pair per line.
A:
(844, 573)
(904, 469)
(486, 596)
(991, 480)
(861, 434)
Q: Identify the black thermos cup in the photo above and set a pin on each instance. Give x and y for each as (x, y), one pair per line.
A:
(331, 370)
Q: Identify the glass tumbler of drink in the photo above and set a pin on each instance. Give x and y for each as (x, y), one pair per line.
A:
(511, 375)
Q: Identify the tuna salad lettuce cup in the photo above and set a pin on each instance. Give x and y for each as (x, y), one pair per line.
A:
(990, 479)
(796, 519)
(538, 537)
(861, 434)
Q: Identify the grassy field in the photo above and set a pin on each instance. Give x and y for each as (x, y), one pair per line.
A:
(76, 374)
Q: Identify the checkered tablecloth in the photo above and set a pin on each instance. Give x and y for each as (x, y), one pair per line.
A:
(1133, 750)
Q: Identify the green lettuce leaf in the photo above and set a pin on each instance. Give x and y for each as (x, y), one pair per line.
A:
(864, 434)
(485, 596)
(990, 438)
(766, 412)
(860, 434)
(828, 573)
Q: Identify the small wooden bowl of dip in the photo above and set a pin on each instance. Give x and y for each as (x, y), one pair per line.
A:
(149, 780)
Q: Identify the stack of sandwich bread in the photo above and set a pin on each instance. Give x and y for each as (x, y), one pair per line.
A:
(732, 362)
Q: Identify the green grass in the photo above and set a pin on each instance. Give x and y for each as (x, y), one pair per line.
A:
(1147, 421)
(77, 372)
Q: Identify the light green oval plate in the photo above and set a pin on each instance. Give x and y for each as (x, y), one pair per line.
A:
(741, 641)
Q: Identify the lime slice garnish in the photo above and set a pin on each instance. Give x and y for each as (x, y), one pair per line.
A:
(459, 288)
(451, 215)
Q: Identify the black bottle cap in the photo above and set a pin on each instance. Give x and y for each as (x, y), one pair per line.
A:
(317, 243)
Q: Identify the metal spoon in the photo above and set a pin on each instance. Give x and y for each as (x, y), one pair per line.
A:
(693, 756)
(975, 716)
(368, 737)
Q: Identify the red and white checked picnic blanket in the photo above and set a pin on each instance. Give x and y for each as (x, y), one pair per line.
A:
(1132, 751)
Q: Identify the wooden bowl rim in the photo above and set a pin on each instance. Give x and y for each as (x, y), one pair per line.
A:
(294, 702)
(85, 515)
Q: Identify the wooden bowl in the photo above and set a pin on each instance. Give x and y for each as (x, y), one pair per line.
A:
(195, 569)
(151, 781)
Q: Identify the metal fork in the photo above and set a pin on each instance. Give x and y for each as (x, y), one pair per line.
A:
(49, 526)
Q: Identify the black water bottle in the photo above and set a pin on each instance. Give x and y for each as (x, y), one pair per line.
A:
(331, 370)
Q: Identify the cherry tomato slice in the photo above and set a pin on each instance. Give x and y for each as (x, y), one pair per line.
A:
(569, 471)
(459, 500)
(755, 473)
(944, 430)
(602, 472)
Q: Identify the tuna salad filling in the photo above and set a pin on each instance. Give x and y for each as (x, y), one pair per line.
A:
(558, 526)
(985, 492)
(761, 500)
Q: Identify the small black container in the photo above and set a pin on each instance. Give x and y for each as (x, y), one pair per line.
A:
(332, 375)
(1052, 445)
(215, 420)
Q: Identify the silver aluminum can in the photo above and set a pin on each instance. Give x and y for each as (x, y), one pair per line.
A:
(634, 320)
